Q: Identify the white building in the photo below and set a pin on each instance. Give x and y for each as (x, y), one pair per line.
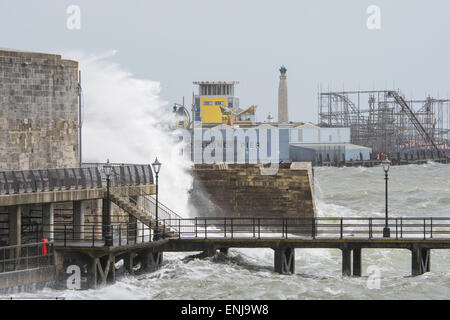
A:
(308, 141)
(310, 133)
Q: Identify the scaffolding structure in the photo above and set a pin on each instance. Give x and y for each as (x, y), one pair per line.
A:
(386, 121)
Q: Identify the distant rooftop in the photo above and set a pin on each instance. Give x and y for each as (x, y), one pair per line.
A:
(348, 146)
(215, 82)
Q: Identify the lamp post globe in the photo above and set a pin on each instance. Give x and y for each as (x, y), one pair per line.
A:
(386, 164)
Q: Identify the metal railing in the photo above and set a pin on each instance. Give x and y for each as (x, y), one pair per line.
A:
(124, 174)
(311, 228)
(90, 175)
(26, 256)
(97, 235)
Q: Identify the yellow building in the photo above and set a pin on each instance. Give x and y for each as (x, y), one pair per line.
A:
(215, 102)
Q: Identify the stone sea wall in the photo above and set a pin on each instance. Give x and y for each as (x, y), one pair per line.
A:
(38, 111)
(242, 191)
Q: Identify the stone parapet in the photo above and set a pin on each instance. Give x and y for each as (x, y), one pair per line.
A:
(242, 191)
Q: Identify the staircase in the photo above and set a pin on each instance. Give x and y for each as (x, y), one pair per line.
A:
(142, 216)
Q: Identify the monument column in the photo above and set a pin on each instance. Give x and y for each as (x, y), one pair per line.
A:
(283, 115)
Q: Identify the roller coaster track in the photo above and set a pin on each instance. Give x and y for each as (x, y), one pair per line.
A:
(412, 117)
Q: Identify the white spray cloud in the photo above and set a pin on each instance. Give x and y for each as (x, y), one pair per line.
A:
(123, 121)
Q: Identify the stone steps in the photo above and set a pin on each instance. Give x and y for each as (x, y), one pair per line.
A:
(140, 215)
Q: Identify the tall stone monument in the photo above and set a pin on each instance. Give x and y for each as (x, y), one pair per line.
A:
(283, 116)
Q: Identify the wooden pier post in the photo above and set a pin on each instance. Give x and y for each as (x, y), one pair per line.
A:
(105, 272)
(151, 261)
(425, 255)
(357, 262)
(284, 260)
(420, 260)
(415, 261)
(79, 269)
(210, 252)
(128, 261)
(346, 262)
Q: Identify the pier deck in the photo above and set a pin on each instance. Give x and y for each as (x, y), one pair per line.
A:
(91, 251)
(98, 255)
(283, 235)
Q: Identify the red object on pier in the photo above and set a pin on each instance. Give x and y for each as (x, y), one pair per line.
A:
(44, 246)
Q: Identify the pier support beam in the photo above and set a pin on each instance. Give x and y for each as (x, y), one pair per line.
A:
(426, 259)
(76, 270)
(48, 220)
(209, 252)
(151, 261)
(420, 260)
(415, 262)
(105, 272)
(357, 262)
(224, 251)
(128, 261)
(346, 262)
(284, 260)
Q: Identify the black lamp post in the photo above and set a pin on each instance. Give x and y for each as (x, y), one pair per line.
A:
(386, 164)
(156, 167)
(109, 171)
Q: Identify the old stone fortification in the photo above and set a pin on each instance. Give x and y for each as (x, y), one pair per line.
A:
(38, 111)
(241, 191)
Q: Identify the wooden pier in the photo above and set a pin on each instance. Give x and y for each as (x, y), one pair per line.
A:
(80, 255)
(88, 258)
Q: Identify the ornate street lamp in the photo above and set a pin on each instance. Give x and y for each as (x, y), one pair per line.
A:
(386, 165)
(109, 171)
(156, 167)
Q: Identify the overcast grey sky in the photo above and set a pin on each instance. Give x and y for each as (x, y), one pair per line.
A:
(177, 42)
